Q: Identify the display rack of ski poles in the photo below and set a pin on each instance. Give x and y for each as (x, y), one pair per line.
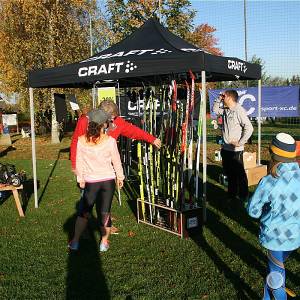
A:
(170, 180)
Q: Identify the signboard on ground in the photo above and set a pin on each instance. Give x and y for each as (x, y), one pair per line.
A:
(9, 120)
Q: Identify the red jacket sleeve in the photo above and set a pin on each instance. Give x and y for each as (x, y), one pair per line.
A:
(80, 129)
(131, 131)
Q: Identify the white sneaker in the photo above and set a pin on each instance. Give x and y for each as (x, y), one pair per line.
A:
(104, 246)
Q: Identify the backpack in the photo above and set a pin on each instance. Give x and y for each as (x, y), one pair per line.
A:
(9, 175)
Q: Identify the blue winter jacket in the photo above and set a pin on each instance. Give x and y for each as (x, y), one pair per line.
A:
(276, 202)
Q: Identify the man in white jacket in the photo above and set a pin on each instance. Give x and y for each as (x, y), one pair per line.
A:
(236, 130)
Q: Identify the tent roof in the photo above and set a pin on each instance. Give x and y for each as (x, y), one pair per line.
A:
(150, 55)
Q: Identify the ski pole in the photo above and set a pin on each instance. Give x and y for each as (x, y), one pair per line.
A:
(119, 197)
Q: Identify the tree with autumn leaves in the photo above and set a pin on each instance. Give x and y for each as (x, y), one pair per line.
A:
(38, 34)
(203, 37)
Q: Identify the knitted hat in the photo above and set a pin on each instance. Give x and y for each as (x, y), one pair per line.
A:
(283, 148)
(98, 116)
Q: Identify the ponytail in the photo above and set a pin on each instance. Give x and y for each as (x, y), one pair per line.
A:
(93, 131)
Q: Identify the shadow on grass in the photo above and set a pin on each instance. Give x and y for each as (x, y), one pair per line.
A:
(4, 196)
(28, 190)
(233, 242)
(85, 278)
(237, 212)
(296, 255)
(249, 254)
(243, 290)
(131, 191)
(8, 149)
(217, 198)
(253, 257)
(52, 171)
(24, 193)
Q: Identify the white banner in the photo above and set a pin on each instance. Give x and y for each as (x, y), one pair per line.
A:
(9, 120)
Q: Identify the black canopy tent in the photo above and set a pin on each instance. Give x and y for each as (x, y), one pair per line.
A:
(151, 54)
(150, 51)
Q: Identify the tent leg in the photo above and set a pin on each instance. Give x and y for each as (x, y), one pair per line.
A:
(94, 95)
(259, 123)
(36, 204)
(119, 99)
(203, 81)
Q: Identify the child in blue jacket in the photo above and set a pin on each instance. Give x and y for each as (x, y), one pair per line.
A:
(276, 202)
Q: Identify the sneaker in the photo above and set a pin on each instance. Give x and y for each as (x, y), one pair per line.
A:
(73, 246)
(104, 246)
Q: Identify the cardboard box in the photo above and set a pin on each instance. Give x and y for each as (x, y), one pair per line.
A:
(249, 159)
(298, 149)
(255, 174)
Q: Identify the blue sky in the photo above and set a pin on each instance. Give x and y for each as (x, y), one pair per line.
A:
(273, 31)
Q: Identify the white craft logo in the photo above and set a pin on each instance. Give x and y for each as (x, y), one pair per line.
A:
(130, 66)
(106, 69)
(236, 65)
(161, 51)
(135, 52)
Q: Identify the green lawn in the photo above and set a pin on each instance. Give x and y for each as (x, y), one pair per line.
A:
(225, 262)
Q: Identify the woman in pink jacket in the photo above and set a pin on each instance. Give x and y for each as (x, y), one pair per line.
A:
(98, 169)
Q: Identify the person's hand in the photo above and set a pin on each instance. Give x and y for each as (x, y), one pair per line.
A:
(235, 143)
(82, 184)
(157, 143)
(221, 96)
(120, 183)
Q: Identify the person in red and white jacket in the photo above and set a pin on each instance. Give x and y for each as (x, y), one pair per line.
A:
(118, 127)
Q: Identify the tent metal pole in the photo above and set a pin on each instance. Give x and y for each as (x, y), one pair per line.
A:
(204, 152)
(159, 10)
(36, 203)
(259, 123)
(91, 34)
(119, 98)
(94, 95)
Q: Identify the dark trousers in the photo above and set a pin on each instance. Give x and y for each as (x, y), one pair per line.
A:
(233, 167)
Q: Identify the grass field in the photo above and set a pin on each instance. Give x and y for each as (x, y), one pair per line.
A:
(224, 262)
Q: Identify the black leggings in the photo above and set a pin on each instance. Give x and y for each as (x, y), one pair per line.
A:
(102, 194)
